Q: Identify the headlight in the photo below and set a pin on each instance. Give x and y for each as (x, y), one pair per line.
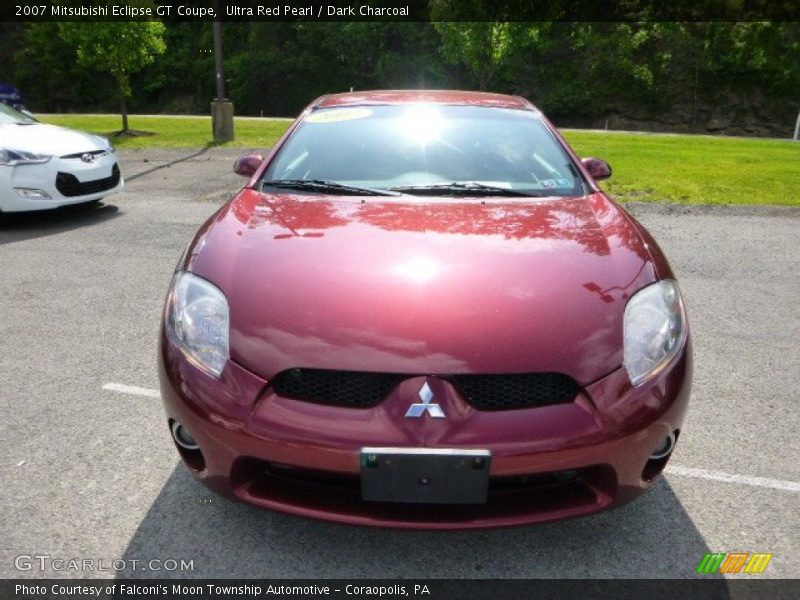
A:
(12, 158)
(655, 329)
(198, 321)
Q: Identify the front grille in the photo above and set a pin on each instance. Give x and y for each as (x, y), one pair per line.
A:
(515, 390)
(69, 186)
(341, 388)
(358, 389)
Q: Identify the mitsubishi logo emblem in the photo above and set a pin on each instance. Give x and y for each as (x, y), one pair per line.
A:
(418, 409)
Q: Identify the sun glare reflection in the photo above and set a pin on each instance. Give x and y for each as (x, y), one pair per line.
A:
(419, 269)
(422, 122)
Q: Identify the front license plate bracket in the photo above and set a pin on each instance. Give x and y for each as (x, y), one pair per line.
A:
(425, 475)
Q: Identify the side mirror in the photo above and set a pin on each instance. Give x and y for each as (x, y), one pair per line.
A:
(597, 168)
(247, 165)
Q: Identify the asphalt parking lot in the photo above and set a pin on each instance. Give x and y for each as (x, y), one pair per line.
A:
(90, 472)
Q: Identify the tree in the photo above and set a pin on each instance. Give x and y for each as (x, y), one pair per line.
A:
(119, 48)
(483, 47)
(481, 36)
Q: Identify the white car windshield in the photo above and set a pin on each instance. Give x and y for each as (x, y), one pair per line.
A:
(424, 148)
(10, 116)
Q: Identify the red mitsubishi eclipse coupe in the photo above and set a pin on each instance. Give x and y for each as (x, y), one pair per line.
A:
(421, 311)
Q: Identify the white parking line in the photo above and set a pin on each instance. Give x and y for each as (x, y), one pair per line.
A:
(132, 390)
(762, 482)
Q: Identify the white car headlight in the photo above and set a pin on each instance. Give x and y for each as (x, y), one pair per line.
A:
(12, 158)
(198, 321)
(654, 329)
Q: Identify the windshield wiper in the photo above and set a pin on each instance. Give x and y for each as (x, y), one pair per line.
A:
(463, 188)
(322, 185)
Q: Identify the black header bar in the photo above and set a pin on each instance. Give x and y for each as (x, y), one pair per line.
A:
(400, 10)
(711, 588)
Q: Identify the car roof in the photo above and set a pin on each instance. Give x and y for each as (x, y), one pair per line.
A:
(428, 96)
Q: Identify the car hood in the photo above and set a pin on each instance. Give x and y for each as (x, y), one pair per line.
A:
(424, 286)
(49, 139)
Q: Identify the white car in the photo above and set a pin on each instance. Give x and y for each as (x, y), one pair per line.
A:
(44, 166)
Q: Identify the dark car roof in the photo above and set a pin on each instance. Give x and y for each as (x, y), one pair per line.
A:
(430, 96)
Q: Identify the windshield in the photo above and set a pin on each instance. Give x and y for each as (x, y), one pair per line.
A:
(10, 116)
(428, 145)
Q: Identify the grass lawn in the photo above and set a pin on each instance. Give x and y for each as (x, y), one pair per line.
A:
(696, 169)
(174, 132)
(650, 168)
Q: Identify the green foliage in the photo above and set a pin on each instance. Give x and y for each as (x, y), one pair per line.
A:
(118, 47)
(286, 65)
(11, 35)
(741, 77)
(67, 85)
(179, 81)
(484, 47)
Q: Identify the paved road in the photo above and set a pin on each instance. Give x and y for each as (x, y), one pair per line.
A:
(90, 472)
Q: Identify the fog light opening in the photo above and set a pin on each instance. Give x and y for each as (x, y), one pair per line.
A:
(32, 194)
(182, 437)
(187, 447)
(665, 449)
(660, 457)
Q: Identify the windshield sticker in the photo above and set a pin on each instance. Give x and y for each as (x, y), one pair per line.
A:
(555, 183)
(336, 115)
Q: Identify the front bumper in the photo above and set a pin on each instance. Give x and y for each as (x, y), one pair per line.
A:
(66, 180)
(548, 463)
